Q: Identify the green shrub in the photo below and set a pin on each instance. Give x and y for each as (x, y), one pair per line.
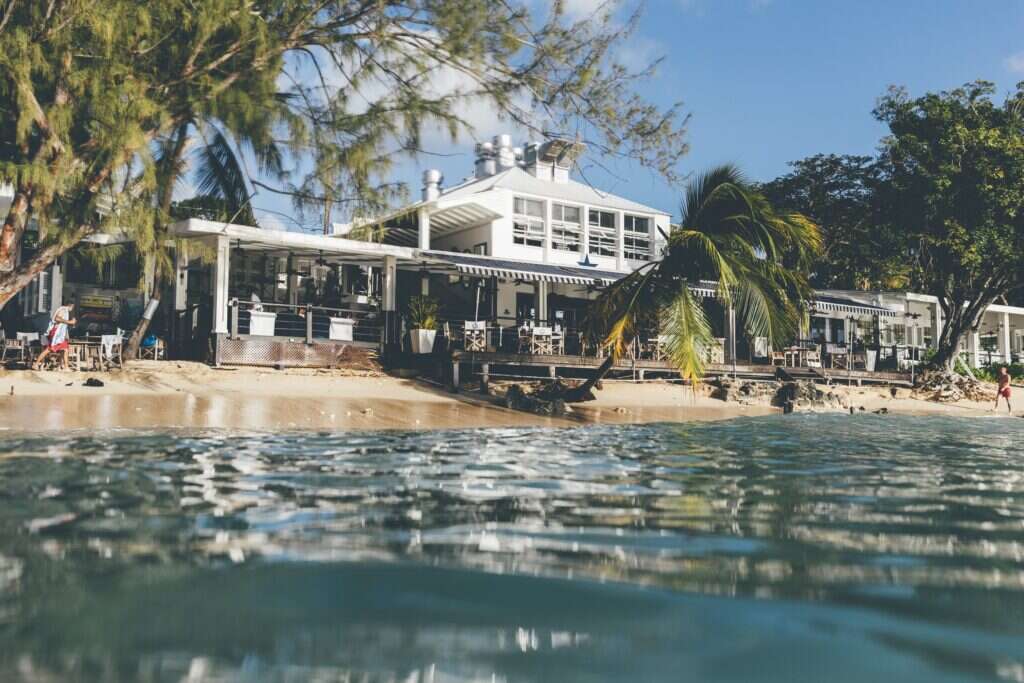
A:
(423, 313)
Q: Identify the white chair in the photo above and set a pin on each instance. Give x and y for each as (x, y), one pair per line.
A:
(110, 349)
(475, 335)
(540, 341)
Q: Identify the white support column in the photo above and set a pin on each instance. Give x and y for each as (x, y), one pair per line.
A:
(181, 277)
(828, 330)
(936, 324)
(56, 286)
(620, 240)
(1004, 337)
(390, 277)
(548, 210)
(584, 232)
(974, 349)
(221, 272)
(424, 229)
(540, 300)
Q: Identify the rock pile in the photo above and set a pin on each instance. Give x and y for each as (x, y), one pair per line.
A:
(806, 396)
(742, 391)
(950, 387)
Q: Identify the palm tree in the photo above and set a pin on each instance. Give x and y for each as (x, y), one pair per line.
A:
(220, 177)
(730, 238)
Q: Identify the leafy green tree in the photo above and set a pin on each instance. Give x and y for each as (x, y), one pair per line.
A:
(91, 88)
(957, 175)
(846, 196)
(756, 257)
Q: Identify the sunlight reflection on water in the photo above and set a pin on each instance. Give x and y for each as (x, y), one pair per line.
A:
(848, 548)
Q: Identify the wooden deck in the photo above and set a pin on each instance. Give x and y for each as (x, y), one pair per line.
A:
(520, 365)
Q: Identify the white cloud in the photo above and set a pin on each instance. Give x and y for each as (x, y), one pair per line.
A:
(582, 9)
(1015, 63)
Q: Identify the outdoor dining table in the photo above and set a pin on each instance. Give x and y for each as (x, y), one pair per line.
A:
(795, 356)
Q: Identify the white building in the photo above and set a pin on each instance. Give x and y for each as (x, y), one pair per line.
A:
(522, 219)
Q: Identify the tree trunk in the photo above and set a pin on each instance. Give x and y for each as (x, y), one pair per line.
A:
(955, 325)
(14, 281)
(13, 229)
(581, 392)
(131, 349)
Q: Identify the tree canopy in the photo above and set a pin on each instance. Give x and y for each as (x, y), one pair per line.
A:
(956, 162)
(847, 197)
(320, 94)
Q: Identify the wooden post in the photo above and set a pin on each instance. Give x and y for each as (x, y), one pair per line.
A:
(455, 376)
(233, 310)
(485, 377)
(551, 371)
(309, 325)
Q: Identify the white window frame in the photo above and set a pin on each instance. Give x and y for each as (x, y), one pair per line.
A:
(607, 242)
(566, 235)
(527, 228)
(636, 244)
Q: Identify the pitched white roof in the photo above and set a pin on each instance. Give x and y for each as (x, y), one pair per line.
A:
(518, 180)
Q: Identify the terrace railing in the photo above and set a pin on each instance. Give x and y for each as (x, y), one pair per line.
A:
(303, 322)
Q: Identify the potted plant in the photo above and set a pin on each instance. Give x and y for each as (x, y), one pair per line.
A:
(422, 323)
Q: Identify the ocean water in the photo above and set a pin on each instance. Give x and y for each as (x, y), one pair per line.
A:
(797, 548)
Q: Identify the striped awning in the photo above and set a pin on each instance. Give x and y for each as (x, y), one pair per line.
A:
(834, 304)
(482, 266)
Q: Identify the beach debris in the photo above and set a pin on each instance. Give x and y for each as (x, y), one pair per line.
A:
(367, 411)
(93, 382)
(882, 411)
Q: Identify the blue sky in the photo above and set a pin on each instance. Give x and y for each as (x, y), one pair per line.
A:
(771, 81)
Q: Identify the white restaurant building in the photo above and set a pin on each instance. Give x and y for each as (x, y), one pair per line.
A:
(517, 241)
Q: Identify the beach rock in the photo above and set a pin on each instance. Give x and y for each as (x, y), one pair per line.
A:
(93, 382)
(806, 396)
(743, 391)
(517, 398)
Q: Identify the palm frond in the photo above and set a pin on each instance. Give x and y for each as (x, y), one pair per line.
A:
(220, 174)
(687, 334)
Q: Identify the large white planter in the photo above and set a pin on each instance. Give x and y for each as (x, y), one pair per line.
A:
(422, 340)
(341, 329)
(261, 323)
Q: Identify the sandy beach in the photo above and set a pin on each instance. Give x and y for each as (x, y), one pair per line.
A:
(181, 394)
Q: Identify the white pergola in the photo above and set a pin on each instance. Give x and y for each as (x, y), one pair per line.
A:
(226, 237)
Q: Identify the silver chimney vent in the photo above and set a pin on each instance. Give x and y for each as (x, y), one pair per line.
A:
(504, 152)
(485, 162)
(431, 185)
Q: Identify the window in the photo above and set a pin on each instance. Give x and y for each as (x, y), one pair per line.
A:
(566, 231)
(637, 238)
(528, 222)
(480, 248)
(602, 233)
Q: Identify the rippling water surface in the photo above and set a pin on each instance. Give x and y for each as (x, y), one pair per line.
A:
(806, 548)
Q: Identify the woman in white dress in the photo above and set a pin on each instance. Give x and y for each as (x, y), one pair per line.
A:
(58, 335)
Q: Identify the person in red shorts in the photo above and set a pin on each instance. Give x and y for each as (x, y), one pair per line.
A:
(58, 335)
(1003, 390)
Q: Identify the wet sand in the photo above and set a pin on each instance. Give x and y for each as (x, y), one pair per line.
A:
(190, 395)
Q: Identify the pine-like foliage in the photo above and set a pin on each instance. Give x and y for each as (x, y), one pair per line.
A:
(322, 94)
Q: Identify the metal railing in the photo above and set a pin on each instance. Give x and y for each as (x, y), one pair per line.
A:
(303, 322)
